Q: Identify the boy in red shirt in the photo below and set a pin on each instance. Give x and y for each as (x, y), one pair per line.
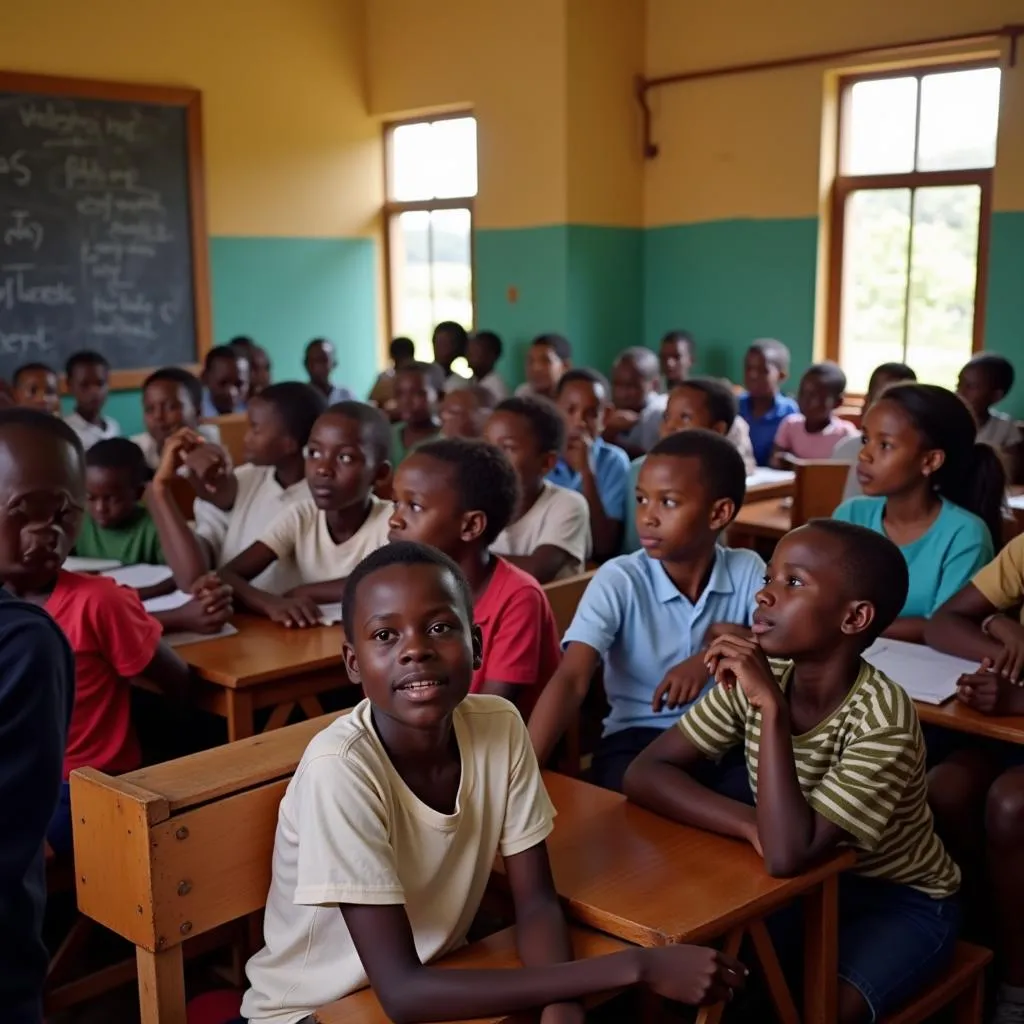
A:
(458, 495)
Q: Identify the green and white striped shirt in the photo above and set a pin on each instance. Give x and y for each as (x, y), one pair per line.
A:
(862, 768)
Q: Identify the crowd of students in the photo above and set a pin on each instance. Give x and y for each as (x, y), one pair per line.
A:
(738, 698)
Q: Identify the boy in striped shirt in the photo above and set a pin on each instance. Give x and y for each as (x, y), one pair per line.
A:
(835, 758)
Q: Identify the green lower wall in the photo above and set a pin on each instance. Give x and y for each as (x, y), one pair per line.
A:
(283, 292)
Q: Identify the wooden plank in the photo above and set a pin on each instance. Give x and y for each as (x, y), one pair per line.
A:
(564, 597)
(162, 986)
(821, 953)
(778, 989)
(211, 774)
(961, 718)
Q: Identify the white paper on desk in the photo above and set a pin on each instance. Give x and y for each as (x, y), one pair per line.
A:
(331, 613)
(1015, 501)
(75, 563)
(181, 639)
(139, 576)
(927, 675)
(167, 603)
(765, 475)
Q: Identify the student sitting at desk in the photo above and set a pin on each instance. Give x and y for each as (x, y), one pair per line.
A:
(816, 430)
(259, 363)
(634, 421)
(457, 496)
(932, 491)
(225, 382)
(835, 757)
(86, 374)
(547, 358)
(647, 616)
(325, 537)
(589, 464)
(762, 405)
(417, 386)
(700, 403)
(984, 382)
(35, 386)
(236, 506)
(483, 352)
(320, 364)
(171, 398)
(978, 789)
(464, 412)
(388, 831)
(549, 534)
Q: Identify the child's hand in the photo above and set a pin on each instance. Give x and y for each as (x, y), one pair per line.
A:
(176, 447)
(577, 452)
(737, 659)
(681, 685)
(754, 838)
(213, 594)
(294, 612)
(207, 466)
(695, 975)
(619, 421)
(1009, 663)
(195, 617)
(987, 691)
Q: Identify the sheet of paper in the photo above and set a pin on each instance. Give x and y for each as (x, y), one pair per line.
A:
(73, 563)
(181, 639)
(927, 675)
(139, 576)
(1015, 501)
(331, 613)
(167, 603)
(765, 475)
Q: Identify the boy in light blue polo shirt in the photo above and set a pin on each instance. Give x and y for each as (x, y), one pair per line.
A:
(648, 616)
(763, 406)
(598, 470)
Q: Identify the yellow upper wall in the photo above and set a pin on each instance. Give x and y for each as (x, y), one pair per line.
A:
(750, 145)
(289, 147)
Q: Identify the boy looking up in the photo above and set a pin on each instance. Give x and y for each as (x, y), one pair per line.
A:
(389, 828)
(835, 757)
(598, 470)
(86, 374)
(648, 616)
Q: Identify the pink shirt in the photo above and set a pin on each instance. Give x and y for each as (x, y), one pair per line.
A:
(793, 437)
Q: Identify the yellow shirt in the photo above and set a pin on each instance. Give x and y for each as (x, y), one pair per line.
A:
(1001, 582)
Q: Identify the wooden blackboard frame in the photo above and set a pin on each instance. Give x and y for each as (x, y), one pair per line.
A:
(169, 96)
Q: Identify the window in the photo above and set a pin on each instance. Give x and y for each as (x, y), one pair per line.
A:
(430, 178)
(910, 217)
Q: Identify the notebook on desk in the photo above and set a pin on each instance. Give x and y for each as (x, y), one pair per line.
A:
(926, 674)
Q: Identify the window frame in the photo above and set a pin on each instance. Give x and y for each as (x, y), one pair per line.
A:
(845, 185)
(393, 207)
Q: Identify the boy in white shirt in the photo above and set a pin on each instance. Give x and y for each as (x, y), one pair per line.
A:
(236, 506)
(171, 398)
(323, 538)
(388, 830)
(482, 354)
(550, 536)
(86, 374)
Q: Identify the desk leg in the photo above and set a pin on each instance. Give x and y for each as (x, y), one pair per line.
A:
(241, 724)
(713, 1014)
(821, 953)
(161, 986)
(782, 998)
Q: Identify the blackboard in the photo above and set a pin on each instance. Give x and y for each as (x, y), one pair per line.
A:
(102, 228)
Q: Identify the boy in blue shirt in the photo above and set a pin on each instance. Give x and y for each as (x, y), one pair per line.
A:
(648, 616)
(762, 405)
(590, 465)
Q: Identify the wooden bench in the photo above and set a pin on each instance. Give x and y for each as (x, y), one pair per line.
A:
(962, 987)
(177, 853)
(564, 597)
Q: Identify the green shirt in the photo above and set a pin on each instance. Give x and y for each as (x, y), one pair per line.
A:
(398, 448)
(135, 542)
(861, 768)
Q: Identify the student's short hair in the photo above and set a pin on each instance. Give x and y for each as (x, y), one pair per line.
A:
(87, 357)
(220, 352)
(451, 327)
(998, 369)
(484, 479)
(41, 423)
(679, 337)
(373, 425)
(895, 371)
(491, 341)
(430, 371)
(544, 419)
(643, 359)
(119, 453)
(719, 396)
(176, 375)
(557, 342)
(298, 405)
(31, 368)
(873, 569)
(401, 348)
(317, 341)
(775, 353)
(242, 341)
(721, 464)
(404, 553)
(485, 397)
(584, 373)
(831, 375)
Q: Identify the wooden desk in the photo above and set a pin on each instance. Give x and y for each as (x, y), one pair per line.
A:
(771, 491)
(767, 520)
(650, 881)
(265, 665)
(957, 716)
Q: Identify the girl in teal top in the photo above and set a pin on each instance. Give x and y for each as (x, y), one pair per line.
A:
(932, 490)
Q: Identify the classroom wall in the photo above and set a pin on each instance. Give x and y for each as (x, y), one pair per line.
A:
(731, 204)
(293, 160)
